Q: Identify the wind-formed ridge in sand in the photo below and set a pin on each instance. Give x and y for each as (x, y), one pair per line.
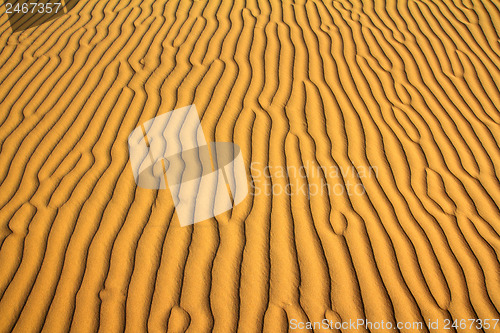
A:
(409, 87)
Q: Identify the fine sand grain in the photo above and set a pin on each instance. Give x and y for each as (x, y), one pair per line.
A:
(405, 92)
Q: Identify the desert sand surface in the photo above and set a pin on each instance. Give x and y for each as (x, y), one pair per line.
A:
(395, 104)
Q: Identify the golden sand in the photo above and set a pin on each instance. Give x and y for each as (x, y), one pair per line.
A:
(409, 88)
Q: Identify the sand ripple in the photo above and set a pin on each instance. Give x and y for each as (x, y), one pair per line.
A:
(410, 88)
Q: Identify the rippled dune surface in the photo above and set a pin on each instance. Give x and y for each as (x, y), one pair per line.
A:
(397, 100)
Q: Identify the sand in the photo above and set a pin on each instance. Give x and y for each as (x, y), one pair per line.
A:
(407, 91)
